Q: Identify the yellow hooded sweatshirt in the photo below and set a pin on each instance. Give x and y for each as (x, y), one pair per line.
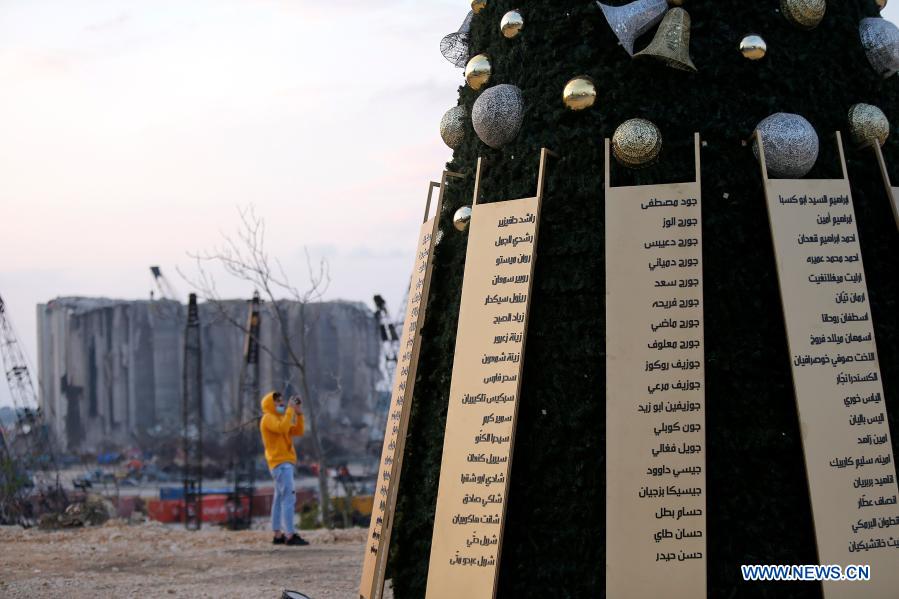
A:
(277, 432)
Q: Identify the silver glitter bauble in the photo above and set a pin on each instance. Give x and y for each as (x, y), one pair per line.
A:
(636, 143)
(453, 126)
(880, 39)
(633, 20)
(805, 14)
(867, 124)
(497, 114)
(461, 218)
(791, 145)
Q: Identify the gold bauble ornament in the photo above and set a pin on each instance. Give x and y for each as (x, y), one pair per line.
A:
(477, 71)
(881, 4)
(805, 14)
(753, 47)
(579, 93)
(462, 218)
(511, 24)
(636, 143)
(478, 5)
(675, 2)
(867, 124)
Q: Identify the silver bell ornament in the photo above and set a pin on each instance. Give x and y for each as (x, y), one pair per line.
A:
(791, 145)
(453, 126)
(461, 218)
(454, 46)
(880, 39)
(497, 114)
(633, 20)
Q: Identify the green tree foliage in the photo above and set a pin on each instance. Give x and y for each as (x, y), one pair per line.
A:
(758, 503)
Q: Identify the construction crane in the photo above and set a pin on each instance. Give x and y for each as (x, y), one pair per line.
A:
(166, 290)
(390, 344)
(247, 445)
(21, 388)
(30, 450)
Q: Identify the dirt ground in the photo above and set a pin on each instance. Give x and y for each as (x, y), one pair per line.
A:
(153, 560)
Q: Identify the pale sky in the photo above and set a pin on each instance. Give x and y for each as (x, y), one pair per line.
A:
(130, 132)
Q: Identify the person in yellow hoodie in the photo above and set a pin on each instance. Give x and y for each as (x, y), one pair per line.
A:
(281, 422)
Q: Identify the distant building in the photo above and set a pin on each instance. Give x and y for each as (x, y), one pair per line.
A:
(110, 370)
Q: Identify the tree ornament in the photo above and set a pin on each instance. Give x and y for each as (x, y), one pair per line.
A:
(454, 46)
(511, 24)
(880, 39)
(477, 71)
(497, 114)
(633, 20)
(805, 14)
(675, 2)
(671, 43)
(753, 47)
(579, 93)
(791, 145)
(867, 124)
(462, 218)
(453, 126)
(636, 143)
(478, 5)
(881, 4)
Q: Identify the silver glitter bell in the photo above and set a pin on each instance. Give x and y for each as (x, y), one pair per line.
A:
(880, 39)
(791, 145)
(633, 20)
(497, 114)
(454, 46)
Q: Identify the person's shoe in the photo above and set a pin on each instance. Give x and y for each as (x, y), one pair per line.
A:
(296, 539)
(279, 540)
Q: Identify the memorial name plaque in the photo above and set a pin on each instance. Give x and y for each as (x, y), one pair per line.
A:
(387, 483)
(892, 192)
(655, 391)
(483, 399)
(836, 378)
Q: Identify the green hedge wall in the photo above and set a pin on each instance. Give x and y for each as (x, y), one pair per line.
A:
(758, 505)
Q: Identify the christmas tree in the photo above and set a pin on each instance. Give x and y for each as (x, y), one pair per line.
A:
(757, 493)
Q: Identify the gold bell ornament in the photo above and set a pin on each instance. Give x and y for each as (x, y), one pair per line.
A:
(671, 43)
(633, 20)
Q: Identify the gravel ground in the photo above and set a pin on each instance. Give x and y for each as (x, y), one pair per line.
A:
(153, 560)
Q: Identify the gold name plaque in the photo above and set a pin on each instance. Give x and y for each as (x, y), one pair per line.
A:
(836, 379)
(483, 399)
(375, 561)
(655, 391)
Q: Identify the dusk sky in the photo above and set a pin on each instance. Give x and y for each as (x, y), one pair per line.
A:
(131, 131)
